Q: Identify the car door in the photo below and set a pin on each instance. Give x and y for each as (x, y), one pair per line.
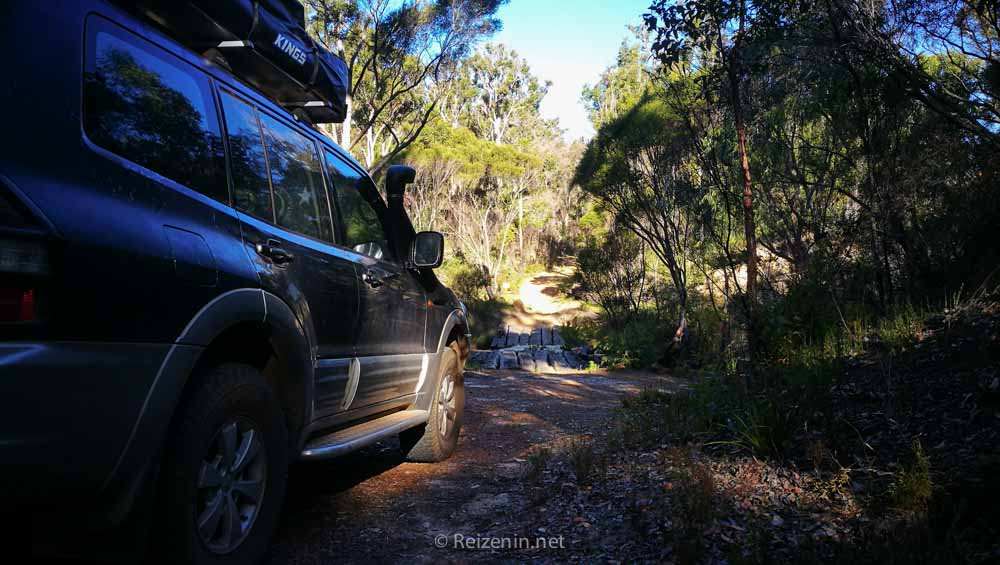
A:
(393, 311)
(280, 195)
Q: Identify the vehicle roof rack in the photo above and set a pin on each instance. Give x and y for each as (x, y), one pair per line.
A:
(264, 43)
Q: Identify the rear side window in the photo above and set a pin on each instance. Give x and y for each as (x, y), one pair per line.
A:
(247, 162)
(151, 108)
(300, 202)
(362, 228)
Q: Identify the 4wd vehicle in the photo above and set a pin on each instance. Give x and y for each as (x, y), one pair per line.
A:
(197, 287)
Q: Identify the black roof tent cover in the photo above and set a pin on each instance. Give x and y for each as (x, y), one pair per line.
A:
(264, 43)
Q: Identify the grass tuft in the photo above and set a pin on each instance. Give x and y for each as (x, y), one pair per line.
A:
(913, 487)
(581, 456)
(538, 461)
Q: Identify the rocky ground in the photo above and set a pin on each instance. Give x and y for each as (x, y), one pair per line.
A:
(374, 507)
(894, 462)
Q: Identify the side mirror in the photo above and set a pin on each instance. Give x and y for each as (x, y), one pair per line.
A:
(427, 251)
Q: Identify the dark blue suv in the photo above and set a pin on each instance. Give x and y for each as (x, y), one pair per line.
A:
(196, 289)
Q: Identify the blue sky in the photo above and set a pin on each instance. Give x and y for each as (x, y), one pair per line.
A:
(569, 43)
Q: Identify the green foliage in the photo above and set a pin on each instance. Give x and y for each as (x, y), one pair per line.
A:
(612, 273)
(900, 330)
(538, 461)
(582, 458)
(401, 54)
(712, 408)
(762, 426)
(511, 95)
(642, 420)
(913, 486)
(466, 281)
(578, 333)
(620, 87)
(639, 342)
(484, 318)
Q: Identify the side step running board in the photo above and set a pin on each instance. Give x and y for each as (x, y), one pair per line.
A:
(347, 440)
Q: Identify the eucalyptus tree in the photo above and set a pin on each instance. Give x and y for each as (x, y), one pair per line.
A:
(398, 54)
(508, 94)
(714, 34)
(640, 168)
(623, 84)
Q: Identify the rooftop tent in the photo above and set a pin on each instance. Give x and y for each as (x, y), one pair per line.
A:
(265, 44)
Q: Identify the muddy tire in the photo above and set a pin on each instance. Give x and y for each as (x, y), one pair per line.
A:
(224, 473)
(436, 440)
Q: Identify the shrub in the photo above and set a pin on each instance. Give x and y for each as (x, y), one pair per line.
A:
(898, 331)
(639, 343)
(579, 332)
(468, 282)
(612, 273)
(538, 460)
(581, 456)
(763, 427)
(642, 420)
(913, 487)
(695, 499)
(484, 318)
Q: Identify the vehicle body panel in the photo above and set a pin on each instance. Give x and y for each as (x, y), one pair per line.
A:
(148, 273)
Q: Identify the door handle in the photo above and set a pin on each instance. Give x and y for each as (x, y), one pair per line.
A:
(375, 278)
(273, 251)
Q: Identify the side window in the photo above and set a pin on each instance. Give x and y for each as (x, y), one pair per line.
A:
(152, 109)
(247, 162)
(300, 202)
(362, 227)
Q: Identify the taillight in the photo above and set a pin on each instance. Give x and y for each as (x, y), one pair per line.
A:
(17, 305)
(24, 261)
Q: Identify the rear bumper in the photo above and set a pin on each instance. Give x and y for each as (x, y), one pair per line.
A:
(79, 419)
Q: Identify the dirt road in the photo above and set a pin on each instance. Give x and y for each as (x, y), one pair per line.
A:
(374, 507)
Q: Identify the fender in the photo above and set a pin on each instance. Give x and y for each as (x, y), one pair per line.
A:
(150, 428)
(294, 346)
(432, 360)
(456, 318)
(223, 312)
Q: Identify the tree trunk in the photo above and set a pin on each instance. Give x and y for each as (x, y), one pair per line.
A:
(749, 227)
(345, 129)
(520, 226)
(680, 335)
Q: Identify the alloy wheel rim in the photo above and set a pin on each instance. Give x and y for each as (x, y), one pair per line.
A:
(230, 489)
(447, 406)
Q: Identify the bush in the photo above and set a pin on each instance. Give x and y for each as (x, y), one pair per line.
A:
(538, 461)
(900, 330)
(580, 332)
(581, 456)
(763, 427)
(484, 317)
(639, 343)
(643, 420)
(612, 273)
(468, 282)
(913, 487)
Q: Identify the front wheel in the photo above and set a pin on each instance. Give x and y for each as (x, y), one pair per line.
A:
(436, 440)
(224, 471)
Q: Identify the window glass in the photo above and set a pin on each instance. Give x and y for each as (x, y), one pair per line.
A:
(247, 165)
(148, 107)
(300, 202)
(362, 227)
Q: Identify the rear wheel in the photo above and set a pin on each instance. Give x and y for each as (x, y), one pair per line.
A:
(224, 471)
(437, 439)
